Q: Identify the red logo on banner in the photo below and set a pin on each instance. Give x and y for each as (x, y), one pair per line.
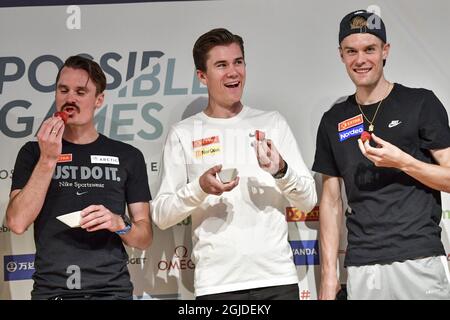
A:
(294, 215)
(65, 158)
(350, 122)
(305, 295)
(205, 142)
(180, 260)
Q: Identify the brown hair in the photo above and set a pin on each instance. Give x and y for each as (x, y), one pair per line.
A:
(92, 68)
(211, 39)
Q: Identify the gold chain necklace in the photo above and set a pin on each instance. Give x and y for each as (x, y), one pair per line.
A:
(371, 125)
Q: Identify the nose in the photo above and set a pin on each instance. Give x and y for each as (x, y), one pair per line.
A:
(232, 72)
(71, 97)
(360, 59)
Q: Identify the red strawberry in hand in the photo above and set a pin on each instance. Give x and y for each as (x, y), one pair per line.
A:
(365, 136)
(260, 135)
(64, 116)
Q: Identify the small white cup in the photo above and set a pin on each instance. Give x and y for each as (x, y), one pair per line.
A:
(227, 175)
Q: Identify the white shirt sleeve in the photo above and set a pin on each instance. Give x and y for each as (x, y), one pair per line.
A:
(297, 185)
(176, 197)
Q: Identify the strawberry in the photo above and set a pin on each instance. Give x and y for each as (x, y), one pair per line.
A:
(365, 136)
(64, 116)
(260, 135)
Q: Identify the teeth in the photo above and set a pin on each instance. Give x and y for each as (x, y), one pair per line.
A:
(232, 84)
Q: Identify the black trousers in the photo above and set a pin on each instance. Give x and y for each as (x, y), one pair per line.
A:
(285, 292)
(89, 296)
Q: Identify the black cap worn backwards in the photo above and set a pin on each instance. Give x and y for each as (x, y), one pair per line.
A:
(374, 25)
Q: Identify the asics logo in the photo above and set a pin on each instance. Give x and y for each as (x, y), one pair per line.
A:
(81, 193)
(394, 123)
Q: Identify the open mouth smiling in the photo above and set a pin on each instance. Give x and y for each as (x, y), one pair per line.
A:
(234, 84)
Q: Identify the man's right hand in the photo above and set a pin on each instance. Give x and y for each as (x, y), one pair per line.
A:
(211, 185)
(329, 288)
(50, 138)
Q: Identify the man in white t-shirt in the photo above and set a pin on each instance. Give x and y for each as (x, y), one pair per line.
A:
(240, 233)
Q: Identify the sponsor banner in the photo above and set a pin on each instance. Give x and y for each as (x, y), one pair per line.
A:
(210, 151)
(65, 158)
(206, 146)
(349, 123)
(140, 93)
(356, 131)
(180, 261)
(205, 142)
(18, 267)
(295, 215)
(305, 252)
(104, 159)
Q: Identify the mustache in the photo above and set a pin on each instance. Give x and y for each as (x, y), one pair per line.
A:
(69, 104)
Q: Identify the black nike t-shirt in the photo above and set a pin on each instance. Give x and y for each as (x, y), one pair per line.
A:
(104, 172)
(393, 216)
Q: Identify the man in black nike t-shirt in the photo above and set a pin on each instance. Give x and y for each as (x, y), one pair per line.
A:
(74, 168)
(392, 181)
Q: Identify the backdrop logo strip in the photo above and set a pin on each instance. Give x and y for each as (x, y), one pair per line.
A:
(305, 252)
(139, 88)
(296, 215)
(18, 267)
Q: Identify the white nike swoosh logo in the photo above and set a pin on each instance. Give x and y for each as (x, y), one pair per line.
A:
(81, 193)
(394, 123)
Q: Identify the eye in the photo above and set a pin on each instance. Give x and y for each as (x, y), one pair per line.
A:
(81, 92)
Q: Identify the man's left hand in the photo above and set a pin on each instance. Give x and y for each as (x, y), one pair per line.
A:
(384, 154)
(97, 217)
(269, 159)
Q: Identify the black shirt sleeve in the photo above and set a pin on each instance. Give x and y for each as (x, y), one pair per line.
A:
(25, 162)
(434, 130)
(324, 161)
(137, 189)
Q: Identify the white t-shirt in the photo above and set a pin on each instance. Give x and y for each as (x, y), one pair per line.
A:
(240, 239)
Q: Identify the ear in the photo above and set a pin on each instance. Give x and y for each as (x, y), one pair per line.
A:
(386, 48)
(341, 54)
(202, 77)
(99, 100)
